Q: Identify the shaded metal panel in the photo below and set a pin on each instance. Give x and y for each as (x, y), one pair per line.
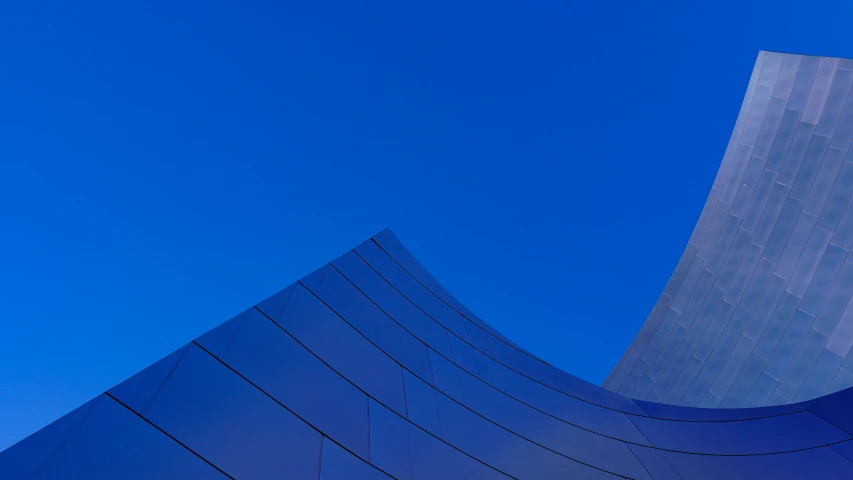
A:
(369, 369)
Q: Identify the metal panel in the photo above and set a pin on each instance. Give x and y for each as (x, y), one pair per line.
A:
(774, 233)
(369, 369)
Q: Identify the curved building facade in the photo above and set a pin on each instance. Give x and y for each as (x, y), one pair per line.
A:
(757, 311)
(369, 369)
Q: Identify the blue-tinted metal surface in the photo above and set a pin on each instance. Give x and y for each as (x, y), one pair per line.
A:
(773, 242)
(369, 369)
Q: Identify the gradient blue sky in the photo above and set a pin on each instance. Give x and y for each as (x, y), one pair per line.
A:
(165, 165)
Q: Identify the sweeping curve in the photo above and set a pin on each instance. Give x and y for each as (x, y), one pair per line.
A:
(758, 311)
(369, 369)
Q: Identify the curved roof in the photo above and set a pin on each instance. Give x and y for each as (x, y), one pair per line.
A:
(369, 369)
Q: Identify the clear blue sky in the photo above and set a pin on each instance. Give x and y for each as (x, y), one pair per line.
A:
(165, 165)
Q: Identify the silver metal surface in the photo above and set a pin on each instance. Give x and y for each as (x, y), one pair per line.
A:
(758, 311)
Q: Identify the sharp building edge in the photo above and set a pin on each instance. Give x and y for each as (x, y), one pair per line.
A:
(368, 369)
(757, 311)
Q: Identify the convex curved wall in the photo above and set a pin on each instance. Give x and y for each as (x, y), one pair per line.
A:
(369, 369)
(758, 311)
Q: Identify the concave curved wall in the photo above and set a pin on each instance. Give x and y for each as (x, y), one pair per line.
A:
(369, 369)
(757, 311)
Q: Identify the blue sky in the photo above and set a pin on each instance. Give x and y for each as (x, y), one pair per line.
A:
(164, 165)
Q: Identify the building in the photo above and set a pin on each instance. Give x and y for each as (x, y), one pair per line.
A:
(369, 369)
(756, 312)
